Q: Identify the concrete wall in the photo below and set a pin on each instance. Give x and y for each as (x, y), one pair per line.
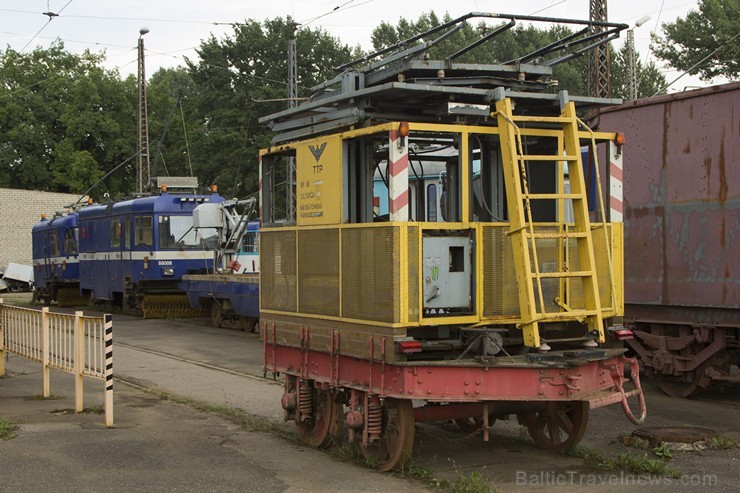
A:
(19, 211)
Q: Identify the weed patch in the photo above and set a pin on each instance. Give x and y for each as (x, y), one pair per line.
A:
(6, 429)
(473, 482)
(639, 464)
(722, 443)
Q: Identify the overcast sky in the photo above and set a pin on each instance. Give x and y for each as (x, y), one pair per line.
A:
(177, 26)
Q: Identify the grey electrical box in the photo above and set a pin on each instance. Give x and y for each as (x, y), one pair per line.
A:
(447, 271)
(208, 216)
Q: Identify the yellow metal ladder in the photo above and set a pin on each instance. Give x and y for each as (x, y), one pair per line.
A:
(525, 237)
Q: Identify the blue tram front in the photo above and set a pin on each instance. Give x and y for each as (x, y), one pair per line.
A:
(142, 246)
(56, 272)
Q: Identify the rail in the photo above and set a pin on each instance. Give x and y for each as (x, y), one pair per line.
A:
(76, 344)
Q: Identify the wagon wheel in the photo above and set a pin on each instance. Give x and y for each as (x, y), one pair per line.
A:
(393, 449)
(473, 424)
(217, 314)
(316, 431)
(559, 426)
(688, 384)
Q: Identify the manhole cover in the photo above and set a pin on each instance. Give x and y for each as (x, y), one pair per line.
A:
(676, 434)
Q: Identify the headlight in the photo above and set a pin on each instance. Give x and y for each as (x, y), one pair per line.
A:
(168, 272)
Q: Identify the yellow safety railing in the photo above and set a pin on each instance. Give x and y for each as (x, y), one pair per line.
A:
(76, 344)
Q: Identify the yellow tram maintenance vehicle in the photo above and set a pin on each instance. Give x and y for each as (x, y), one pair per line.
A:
(498, 294)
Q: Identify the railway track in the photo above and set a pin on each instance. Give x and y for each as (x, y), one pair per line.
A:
(201, 364)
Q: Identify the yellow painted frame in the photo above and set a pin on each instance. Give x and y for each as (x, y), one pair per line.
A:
(466, 223)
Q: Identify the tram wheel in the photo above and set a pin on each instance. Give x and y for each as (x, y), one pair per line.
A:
(248, 324)
(316, 431)
(559, 426)
(217, 314)
(393, 449)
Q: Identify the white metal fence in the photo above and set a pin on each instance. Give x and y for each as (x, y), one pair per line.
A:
(77, 344)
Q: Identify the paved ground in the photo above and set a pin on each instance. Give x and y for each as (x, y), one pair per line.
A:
(158, 445)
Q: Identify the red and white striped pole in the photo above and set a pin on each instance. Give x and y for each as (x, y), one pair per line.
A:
(616, 180)
(398, 177)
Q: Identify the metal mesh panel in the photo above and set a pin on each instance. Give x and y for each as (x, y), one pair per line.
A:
(414, 261)
(318, 271)
(575, 291)
(548, 256)
(500, 294)
(575, 297)
(278, 270)
(370, 274)
(601, 256)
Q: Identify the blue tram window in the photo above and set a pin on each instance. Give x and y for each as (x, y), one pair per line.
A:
(115, 234)
(70, 241)
(127, 234)
(177, 232)
(432, 203)
(144, 234)
(250, 244)
(54, 240)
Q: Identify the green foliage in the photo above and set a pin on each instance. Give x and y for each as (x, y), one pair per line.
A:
(650, 81)
(62, 120)
(231, 77)
(639, 464)
(474, 482)
(663, 451)
(687, 41)
(722, 443)
(6, 429)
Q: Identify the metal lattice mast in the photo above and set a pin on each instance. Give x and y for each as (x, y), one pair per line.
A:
(631, 66)
(142, 145)
(292, 102)
(598, 75)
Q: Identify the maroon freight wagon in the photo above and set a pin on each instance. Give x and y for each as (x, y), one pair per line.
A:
(682, 234)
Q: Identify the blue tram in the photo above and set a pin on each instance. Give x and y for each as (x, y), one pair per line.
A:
(142, 246)
(56, 270)
(248, 256)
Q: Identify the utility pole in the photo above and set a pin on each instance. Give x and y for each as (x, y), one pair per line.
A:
(632, 59)
(292, 102)
(142, 144)
(599, 84)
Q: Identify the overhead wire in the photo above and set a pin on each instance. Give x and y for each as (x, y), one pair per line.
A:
(142, 19)
(67, 40)
(51, 16)
(698, 64)
(339, 8)
(185, 133)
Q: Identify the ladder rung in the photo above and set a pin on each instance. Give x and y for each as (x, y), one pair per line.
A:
(565, 316)
(559, 275)
(547, 157)
(558, 236)
(552, 196)
(543, 119)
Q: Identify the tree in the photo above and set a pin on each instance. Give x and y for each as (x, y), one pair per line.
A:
(710, 33)
(170, 95)
(64, 121)
(233, 78)
(649, 79)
